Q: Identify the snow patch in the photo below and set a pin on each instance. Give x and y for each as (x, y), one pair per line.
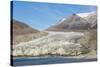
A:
(85, 14)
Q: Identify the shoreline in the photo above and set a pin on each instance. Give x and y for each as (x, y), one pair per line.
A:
(74, 57)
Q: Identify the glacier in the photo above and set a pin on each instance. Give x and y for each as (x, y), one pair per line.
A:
(55, 43)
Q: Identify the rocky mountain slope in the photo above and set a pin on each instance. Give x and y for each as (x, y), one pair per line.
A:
(20, 28)
(91, 17)
(82, 21)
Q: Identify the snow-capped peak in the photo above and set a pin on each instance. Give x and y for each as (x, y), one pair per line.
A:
(85, 14)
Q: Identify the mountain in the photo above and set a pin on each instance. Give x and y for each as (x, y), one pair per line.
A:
(91, 17)
(19, 28)
(72, 22)
(81, 21)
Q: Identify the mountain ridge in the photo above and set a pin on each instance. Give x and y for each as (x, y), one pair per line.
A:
(75, 21)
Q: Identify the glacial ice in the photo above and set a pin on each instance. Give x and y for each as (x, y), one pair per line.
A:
(56, 43)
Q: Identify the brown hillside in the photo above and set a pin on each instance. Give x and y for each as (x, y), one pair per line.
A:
(20, 28)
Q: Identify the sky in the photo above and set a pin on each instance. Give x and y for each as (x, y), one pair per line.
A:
(42, 15)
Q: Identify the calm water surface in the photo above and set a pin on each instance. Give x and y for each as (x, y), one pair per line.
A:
(46, 60)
